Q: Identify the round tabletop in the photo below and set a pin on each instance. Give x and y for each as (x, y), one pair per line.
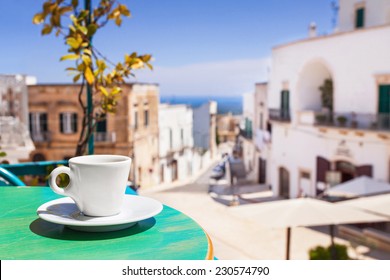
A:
(170, 235)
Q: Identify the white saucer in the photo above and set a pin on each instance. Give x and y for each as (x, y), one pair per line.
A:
(64, 211)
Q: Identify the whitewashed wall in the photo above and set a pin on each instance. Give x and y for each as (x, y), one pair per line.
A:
(296, 148)
(377, 12)
(352, 60)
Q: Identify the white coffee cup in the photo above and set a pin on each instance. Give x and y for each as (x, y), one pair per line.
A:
(97, 183)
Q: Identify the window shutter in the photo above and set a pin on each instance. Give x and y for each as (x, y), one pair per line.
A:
(62, 122)
(364, 170)
(323, 165)
(43, 122)
(74, 123)
(359, 18)
(146, 117)
(30, 120)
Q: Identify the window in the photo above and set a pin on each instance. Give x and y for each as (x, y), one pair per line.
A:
(38, 126)
(146, 117)
(38, 122)
(68, 123)
(285, 104)
(135, 120)
(101, 126)
(359, 17)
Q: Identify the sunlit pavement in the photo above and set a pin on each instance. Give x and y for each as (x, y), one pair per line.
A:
(234, 237)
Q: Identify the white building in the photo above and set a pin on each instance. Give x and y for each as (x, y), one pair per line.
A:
(325, 136)
(205, 127)
(176, 143)
(15, 140)
(255, 135)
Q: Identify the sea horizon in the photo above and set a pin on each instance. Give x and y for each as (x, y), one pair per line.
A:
(225, 105)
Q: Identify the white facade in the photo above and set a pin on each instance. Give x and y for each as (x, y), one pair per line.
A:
(376, 12)
(307, 155)
(204, 128)
(175, 142)
(15, 140)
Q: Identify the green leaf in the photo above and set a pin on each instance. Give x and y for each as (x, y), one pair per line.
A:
(101, 64)
(83, 14)
(73, 43)
(64, 10)
(86, 59)
(83, 29)
(70, 57)
(47, 29)
(118, 21)
(116, 90)
(103, 90)
(76, 78)
(88, 52)
(91, 29)
(124, 10)
(55, 20)
(38, 18)
(150, 66)
(3, 154)
(89, 75)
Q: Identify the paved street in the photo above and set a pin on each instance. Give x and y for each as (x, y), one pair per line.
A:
(234, 237)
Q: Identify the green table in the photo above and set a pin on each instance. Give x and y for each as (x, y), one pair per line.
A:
(170, 235)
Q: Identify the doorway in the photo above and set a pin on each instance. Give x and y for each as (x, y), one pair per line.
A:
(284, 182)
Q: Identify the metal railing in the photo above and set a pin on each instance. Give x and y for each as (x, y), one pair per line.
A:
(281, 115)
(354, 120)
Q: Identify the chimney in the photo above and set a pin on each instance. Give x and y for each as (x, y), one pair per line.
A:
(312, 30)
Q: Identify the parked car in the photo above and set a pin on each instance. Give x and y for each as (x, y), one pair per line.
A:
(219, 170)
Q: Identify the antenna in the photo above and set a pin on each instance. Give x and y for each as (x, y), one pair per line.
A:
(335, 10)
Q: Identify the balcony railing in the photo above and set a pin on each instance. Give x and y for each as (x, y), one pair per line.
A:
(354, 120)
(108, 137)
(281, 115)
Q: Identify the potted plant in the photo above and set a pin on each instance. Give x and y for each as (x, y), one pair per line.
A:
(342, 120)
(336, 252)
(320, 118)
(327, 95)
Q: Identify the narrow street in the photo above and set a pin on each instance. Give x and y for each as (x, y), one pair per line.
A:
(234, 237)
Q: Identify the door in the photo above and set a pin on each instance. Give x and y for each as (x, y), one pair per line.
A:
(262, 171)
(284, 183)
(384, 107)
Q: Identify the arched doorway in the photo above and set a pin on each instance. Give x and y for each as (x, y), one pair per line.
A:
(284, 182)
(346, 169)
(315, 78)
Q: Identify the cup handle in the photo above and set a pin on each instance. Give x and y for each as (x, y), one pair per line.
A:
(53, 176)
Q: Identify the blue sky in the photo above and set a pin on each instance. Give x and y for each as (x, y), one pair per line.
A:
(200, 47)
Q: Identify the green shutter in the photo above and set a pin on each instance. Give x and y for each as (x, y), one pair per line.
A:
(384, 107)
(101, 126)
(359, 18)
(384, 99)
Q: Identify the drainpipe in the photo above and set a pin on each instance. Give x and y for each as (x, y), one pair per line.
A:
(89, 88)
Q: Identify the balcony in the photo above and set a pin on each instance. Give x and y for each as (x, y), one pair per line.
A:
(105, 137)
(280, 115)
(362, 121)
